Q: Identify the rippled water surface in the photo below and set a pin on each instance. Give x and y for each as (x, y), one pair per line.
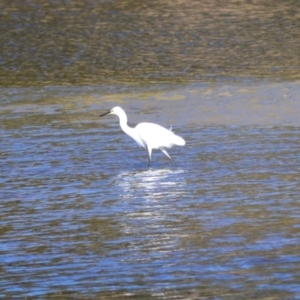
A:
(81, 214)
(90, 42)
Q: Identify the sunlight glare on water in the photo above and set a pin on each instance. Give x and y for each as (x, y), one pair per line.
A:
(82, 214)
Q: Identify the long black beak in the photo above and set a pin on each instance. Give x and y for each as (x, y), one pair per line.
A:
(105, 114)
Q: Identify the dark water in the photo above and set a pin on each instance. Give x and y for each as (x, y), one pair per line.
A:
(92, 42)
(81, 214)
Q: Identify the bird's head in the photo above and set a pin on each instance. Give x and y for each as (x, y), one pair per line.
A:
(114, 111)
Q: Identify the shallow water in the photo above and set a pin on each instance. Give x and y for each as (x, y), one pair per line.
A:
(81, 214)
(93, 42)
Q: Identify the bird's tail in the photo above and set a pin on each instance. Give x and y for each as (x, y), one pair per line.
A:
(179, 141)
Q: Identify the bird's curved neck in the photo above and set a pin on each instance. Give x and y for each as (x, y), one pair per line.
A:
(124, 125)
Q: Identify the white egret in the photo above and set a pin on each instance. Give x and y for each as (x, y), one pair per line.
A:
(148, 135)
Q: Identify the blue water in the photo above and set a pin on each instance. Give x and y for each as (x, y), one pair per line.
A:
(81, 214)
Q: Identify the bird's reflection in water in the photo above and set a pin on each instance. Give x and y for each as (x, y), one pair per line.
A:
(151, 201)
(151, 185)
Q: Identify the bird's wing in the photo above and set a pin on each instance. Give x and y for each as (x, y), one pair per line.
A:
(156, 136)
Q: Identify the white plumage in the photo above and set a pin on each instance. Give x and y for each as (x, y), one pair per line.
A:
(148, 135)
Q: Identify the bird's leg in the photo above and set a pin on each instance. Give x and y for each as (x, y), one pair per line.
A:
(149, 157)
(167, 154)
(172, 161)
